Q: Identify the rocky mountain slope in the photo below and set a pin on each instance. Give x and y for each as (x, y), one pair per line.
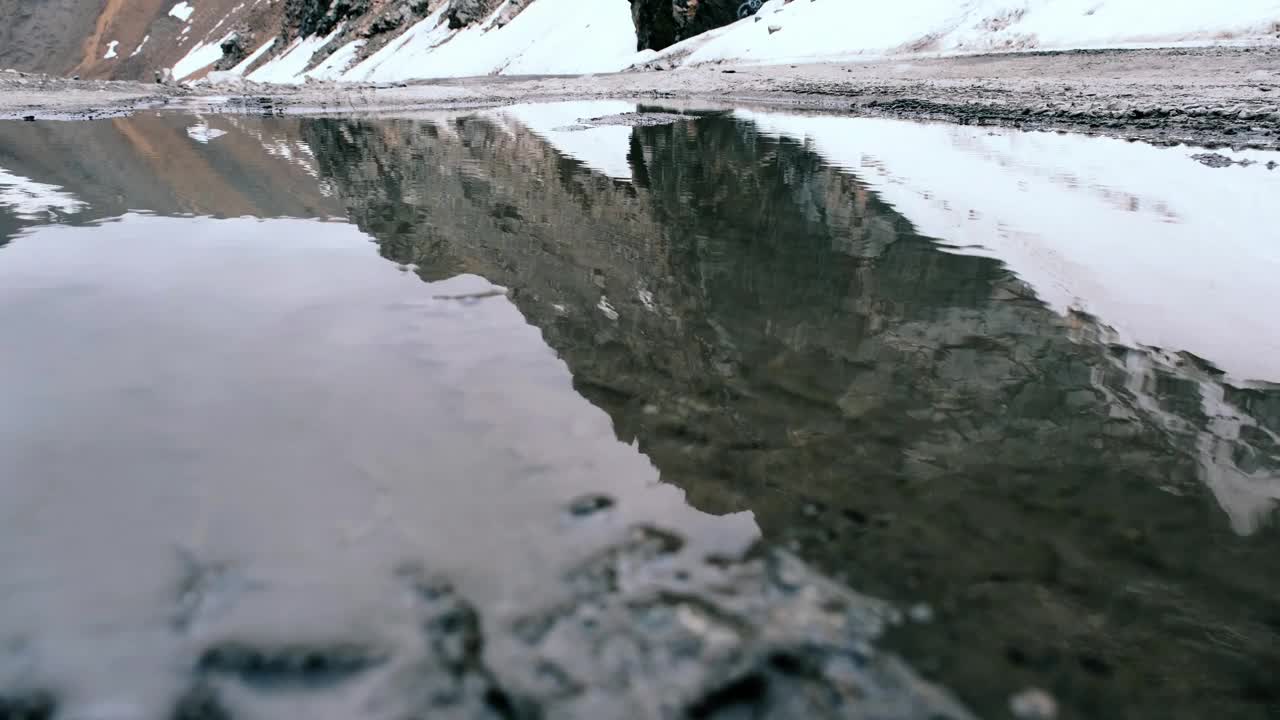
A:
(137, 39)
(293, 41)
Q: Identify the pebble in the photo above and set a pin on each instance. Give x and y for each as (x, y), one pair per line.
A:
(920, 613)
(1033, 704)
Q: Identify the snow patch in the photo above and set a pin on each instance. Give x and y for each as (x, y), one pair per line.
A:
(601, 35)
(288, 68)
(182, 11)
(31, 200)
(140, 46)
(603, 149)
(200, 57)
(336, 64)
(248, 62)
(832, 30)
(111, 50)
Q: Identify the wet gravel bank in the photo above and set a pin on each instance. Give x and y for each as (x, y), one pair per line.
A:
(1218, 97)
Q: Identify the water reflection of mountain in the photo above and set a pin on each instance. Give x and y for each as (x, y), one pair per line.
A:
(776, 338)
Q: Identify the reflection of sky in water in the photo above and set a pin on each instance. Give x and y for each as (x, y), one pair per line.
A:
(275, 398)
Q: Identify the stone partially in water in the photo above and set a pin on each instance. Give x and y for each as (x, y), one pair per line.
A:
(587, 505)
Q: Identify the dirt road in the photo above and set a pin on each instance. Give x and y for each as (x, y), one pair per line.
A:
(1213, 97)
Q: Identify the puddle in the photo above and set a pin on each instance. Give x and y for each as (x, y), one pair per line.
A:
(482, 414)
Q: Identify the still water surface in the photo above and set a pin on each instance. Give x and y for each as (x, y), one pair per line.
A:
(256, 372)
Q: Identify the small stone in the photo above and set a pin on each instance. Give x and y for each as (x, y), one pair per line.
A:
(774, 28)
(1033, 704)
(590, 505)
(920, 613)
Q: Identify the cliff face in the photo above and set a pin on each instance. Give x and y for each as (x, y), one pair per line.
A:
(662, 23)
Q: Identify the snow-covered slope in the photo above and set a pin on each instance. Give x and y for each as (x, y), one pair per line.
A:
(817, 30)
(392, 40)
(547, 37)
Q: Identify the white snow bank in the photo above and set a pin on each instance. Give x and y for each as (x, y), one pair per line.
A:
(201, 56)
(1166, 251)
(33, 200)
(140, 46)
(818, 30)
(182, 11)
(603, 149)
(111, 50)
(289, 67)
(338, 63)
(548, 37)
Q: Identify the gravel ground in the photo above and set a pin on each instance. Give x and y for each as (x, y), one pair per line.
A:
(1215, 97)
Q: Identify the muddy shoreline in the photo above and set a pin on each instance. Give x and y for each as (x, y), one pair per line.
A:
(1216, 97)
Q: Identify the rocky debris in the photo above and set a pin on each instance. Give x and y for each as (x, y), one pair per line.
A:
(1218, 160)
(643, 629)
(648, 632)
(396, 16)
(319, 17)
(235, 49)
(462, 13)
(633, 119)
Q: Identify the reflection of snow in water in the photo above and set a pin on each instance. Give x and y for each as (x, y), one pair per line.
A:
(1222, 444)
(603, 149)
(202, 133)
(32, 200)
(1165, 252)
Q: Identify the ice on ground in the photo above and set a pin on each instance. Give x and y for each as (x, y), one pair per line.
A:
(603, 149)
(111, 50)
(202, 133)
(1165, 251)
(182, 11)
(829, 30)
(33, 200)
(140, 46)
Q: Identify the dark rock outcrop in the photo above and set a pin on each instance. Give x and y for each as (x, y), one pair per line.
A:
(662, 23)
(312, 17)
